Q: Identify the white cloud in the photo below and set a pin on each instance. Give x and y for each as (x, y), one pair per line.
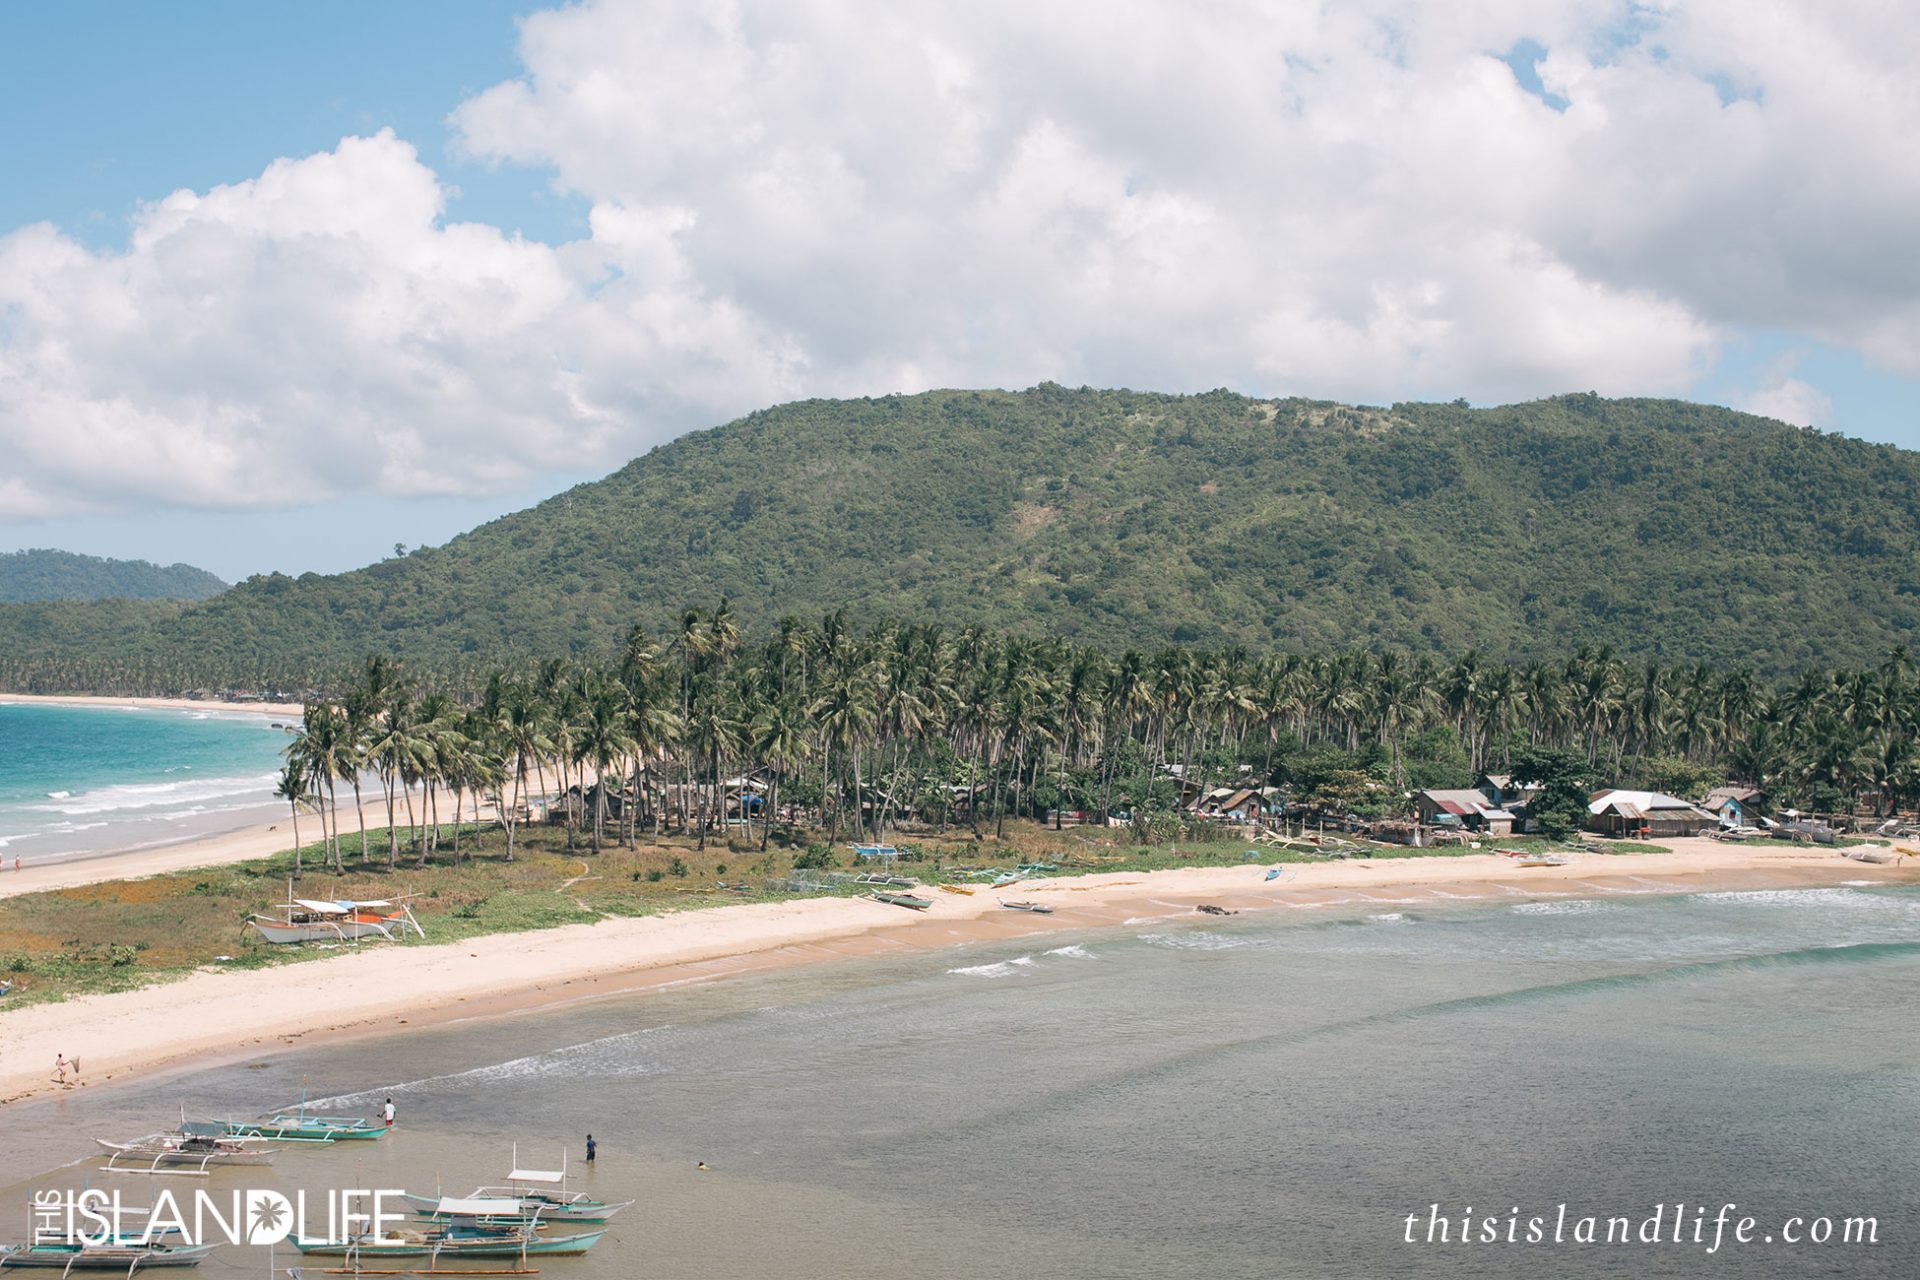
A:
(805, 197)
(319, 329)
(1778, 394)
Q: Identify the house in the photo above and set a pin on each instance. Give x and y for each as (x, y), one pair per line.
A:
(1643, 814)
(1503, 792)
(1737, 806)
(1241, 804)
(1468, 808)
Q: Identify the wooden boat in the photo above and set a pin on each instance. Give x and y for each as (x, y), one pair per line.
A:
(1038, 908)
(541, 1194)
(1539, 860)
(346, 920)
(126, 1255)
(944, 888)
(457, 1241)
(299, 1126)
(901, 900)
(192, 1149)
(504, 1207)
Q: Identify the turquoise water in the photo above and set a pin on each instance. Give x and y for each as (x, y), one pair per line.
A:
(83, 779)
(1268, 1096)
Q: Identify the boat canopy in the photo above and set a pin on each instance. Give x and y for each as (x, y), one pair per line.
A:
(479, 1207)
(553, 1176)
(322, 908)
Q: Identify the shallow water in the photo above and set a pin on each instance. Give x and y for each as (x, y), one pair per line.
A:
(76, 779)
(1268, 1095)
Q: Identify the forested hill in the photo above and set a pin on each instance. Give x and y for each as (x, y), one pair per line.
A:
(1661, 528)
(62, 575)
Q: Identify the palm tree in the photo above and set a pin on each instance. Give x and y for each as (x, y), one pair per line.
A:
(605, 740)
(293, 788)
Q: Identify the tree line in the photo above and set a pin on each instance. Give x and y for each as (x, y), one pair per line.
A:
(856, 729)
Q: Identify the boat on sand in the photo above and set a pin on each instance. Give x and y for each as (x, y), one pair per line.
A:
(902, 900)
(1037, 908)
(343, 920)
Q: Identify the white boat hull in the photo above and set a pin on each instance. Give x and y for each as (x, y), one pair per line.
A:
(341, 931)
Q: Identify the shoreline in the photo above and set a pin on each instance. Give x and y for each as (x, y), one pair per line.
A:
(153, 704)
(215, 1016)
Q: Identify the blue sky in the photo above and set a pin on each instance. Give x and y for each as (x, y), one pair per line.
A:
(677, 218)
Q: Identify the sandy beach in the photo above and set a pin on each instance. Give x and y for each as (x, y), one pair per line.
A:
(171, 704)
(213, 1015)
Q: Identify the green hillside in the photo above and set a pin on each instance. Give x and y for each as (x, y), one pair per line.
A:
(62, 575)
(1664, 529)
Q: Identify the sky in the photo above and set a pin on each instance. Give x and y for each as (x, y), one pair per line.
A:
(284, 286)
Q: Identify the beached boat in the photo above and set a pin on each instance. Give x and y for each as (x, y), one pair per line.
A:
(1539, 860)
(1038, 908)
(457, 1241)
(192, 1149)
(125, 1255)
(344, 920)
(1208, 908)
(902, 900)
(944, 888)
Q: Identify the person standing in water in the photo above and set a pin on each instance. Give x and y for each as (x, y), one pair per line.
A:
(592, 1147)
(387, 1113)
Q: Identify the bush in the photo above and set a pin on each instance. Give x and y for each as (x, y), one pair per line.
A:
(20, 964)
(813, 857)
(678, 867)
(653, 875)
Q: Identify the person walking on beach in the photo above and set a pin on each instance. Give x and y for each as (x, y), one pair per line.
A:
(387, 1113)
(59, 1068)
(592, 1147)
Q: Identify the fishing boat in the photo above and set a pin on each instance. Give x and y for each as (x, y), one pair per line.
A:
(1038, 908)
(901, 900)
(456, 1241)
(944, 888)
(1539, 860)
(502, 1207)
(300, 1126)
(344, 920)
(192, 1149)
(541, 1193)
(124, 1254)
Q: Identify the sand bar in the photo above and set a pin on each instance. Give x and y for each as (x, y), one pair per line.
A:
(222, 1016)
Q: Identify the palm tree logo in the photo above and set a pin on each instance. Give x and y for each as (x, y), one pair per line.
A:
(269, 1217)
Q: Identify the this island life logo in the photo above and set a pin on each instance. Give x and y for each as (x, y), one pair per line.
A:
(255, 1216)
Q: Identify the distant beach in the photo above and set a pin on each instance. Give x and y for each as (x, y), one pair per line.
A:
(213, 1015)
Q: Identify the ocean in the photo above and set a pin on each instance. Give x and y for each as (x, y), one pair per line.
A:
(1269, 1095)
(108, 778)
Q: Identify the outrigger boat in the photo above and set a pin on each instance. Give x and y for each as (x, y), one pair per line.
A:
(537, 1194)
(126, 1254)
(902, 900)
(954, 888)
(346, 920)
(1038, 908)
(191, 1150)
(494, 1207)
(457, 1241)
(299, 1126)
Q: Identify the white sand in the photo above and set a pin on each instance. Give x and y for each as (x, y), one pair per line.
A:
(381, 987)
